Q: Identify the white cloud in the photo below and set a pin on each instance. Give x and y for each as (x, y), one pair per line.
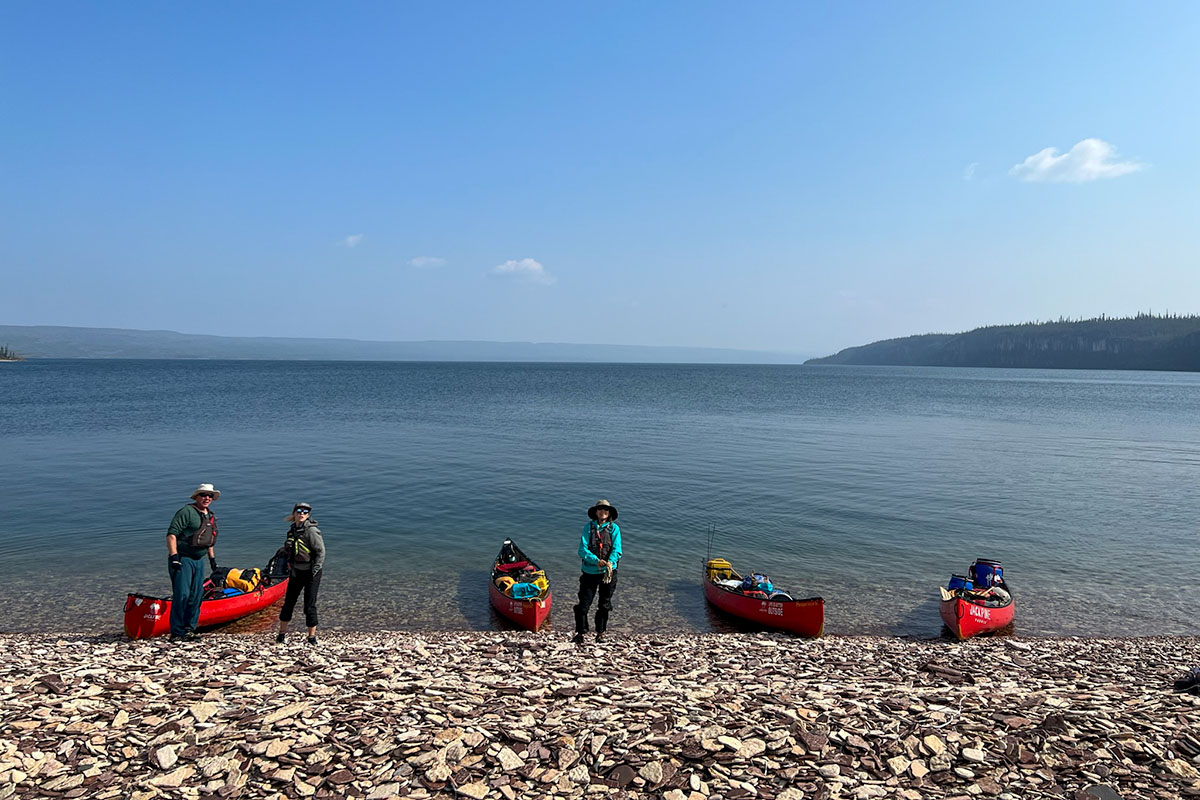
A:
(427, 262)
(353, 240)
(969, 172)
(525, 268)
(1090, 160)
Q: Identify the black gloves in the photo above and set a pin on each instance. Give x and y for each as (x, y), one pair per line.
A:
(212, 562)
(174, 564)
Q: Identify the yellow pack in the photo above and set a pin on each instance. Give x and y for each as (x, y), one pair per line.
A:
(244, 579)
(719, 569)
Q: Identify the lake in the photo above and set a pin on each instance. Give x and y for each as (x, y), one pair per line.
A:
(868, 486)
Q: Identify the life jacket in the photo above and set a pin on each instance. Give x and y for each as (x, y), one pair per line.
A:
(205, 536)
(297, 545)
(600, 540)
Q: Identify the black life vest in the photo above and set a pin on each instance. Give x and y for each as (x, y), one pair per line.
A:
(297, 545)
(600, 540)
(205, 536)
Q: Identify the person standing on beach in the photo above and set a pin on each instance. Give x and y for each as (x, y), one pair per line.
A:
(306, 551)
(599, 550)
(191, 535)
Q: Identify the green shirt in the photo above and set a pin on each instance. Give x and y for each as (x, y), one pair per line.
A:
(186, 522)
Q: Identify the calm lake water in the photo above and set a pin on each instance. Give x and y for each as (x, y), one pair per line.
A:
(867, 486)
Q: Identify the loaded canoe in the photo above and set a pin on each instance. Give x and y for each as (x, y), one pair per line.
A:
(804, 617)
(513, 568)
(147, 615)
(969, 613)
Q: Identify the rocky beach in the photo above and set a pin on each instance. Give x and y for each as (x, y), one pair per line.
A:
(508, 715)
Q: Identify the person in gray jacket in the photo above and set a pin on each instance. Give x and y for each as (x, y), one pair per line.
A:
(306, 551)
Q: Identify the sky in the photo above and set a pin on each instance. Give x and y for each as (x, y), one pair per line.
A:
(789, 176)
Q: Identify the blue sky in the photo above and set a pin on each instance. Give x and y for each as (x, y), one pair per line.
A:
(799, 177)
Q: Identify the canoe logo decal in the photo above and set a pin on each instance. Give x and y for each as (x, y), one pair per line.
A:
(772, 609)
(981, 613)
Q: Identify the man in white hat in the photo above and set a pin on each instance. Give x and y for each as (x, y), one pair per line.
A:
(599, 552)
(191, 535)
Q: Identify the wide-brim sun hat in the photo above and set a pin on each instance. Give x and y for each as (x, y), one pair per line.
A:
(612, 510)
(206, 488)
(292, 516)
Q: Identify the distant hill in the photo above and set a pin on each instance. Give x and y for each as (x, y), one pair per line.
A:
(1142, 342)
(67, 342)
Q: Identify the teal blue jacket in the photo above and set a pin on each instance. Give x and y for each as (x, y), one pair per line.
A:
(591, 562)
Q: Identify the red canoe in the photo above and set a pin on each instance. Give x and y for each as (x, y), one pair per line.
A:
(147, 616)
(969, 613)
(514, 567)
(804, 617)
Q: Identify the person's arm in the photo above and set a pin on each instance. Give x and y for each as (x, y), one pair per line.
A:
(179, 524)
(616, 551)
(585, 552)
(316, 543)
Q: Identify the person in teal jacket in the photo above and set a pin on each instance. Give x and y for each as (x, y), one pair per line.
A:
(599, 550)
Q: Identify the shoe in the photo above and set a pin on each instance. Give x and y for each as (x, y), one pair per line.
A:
(599, 638)
(577, 638)
(1188, 681)
(279, 638)
(175, 638)
(191, 636)
(312, 639)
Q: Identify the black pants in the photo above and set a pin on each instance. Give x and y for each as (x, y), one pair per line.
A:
(310, 583)
(588, 584)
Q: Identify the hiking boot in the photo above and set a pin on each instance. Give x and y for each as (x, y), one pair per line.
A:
(191, 636)
(599, 638)
(312, 639)
(279, 638)
(175, 638)
(577, 638)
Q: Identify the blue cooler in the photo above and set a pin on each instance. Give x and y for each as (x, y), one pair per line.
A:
(986, 573)
(960, 582)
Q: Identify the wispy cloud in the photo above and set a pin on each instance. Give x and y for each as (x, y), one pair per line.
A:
(1089, 160)
(525, 268)
(427, 262)
(353, 240)
(969, 172)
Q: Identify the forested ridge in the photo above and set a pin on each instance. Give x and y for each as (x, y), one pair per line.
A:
(1146, 341)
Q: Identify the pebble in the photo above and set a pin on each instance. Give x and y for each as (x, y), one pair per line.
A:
(755, 716)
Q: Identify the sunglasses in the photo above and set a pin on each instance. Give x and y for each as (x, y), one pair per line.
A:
(301, 511)
(202, 496)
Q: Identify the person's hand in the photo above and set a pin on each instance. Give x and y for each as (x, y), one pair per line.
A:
(602, 564)
(174, 564)
(212, 562)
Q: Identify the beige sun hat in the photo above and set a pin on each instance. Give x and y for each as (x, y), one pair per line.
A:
(206, 488)
(612, 510)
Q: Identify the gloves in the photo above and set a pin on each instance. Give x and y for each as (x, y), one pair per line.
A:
(212, 562)
(174, 564)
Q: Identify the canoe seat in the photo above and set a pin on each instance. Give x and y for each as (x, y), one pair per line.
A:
(516, 566)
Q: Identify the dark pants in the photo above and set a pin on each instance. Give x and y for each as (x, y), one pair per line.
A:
(310, 583)
(588, 584)
(187, 590)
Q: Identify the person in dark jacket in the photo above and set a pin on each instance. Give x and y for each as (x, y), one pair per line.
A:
(306, 552)
(191, 535)
(599, 552)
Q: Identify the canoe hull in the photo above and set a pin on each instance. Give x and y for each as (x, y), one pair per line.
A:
(527, 614)
(802, 617)
(966, 619)
(147, 616)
